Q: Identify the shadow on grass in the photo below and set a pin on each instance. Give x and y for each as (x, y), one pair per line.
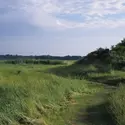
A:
(86, 72)
(109, 80)
(77, 70)
(96, 115)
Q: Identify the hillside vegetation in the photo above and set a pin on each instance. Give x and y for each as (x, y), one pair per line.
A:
(89, 91)
(101, 62)
(104, 66)
(115, 57)
(28, 96)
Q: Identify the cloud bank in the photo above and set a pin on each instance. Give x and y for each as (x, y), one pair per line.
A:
(55, 13)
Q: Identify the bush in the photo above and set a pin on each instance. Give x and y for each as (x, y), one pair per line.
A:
(29, 61)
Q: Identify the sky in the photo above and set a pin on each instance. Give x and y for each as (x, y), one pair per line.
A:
(60, 27)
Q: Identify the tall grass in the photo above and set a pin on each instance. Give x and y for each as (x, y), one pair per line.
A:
(117, 105)
(30, 96)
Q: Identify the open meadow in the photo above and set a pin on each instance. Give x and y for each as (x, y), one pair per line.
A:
(31, 94)
(89, 91)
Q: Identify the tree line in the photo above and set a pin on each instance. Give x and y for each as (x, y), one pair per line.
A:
(44, 57)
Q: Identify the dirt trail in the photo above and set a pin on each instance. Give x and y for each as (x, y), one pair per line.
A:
(92, 110)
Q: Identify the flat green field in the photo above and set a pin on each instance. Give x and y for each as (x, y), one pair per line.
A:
(32, 95)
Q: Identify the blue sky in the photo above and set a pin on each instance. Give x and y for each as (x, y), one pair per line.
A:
(60, 27)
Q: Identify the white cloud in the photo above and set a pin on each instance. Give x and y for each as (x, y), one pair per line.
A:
(43, 13)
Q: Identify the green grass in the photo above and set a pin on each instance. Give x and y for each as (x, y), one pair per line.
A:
(113, 103)
(28, 94)
(80, 70)
(35, 95)
(117, 105)
(98, 74)
(39, 61)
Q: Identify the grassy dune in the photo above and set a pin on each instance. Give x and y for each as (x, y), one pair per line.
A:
(102, 75)
(61, 95)
(30, 96)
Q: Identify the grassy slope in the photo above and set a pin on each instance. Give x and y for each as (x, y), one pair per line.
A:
(30, 96)
(98, 74)
(114, 103)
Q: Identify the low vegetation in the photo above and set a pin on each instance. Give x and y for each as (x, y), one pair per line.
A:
(117, 105)
(34, 61)
(104, 66)
(89, 91)
(30, 96)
